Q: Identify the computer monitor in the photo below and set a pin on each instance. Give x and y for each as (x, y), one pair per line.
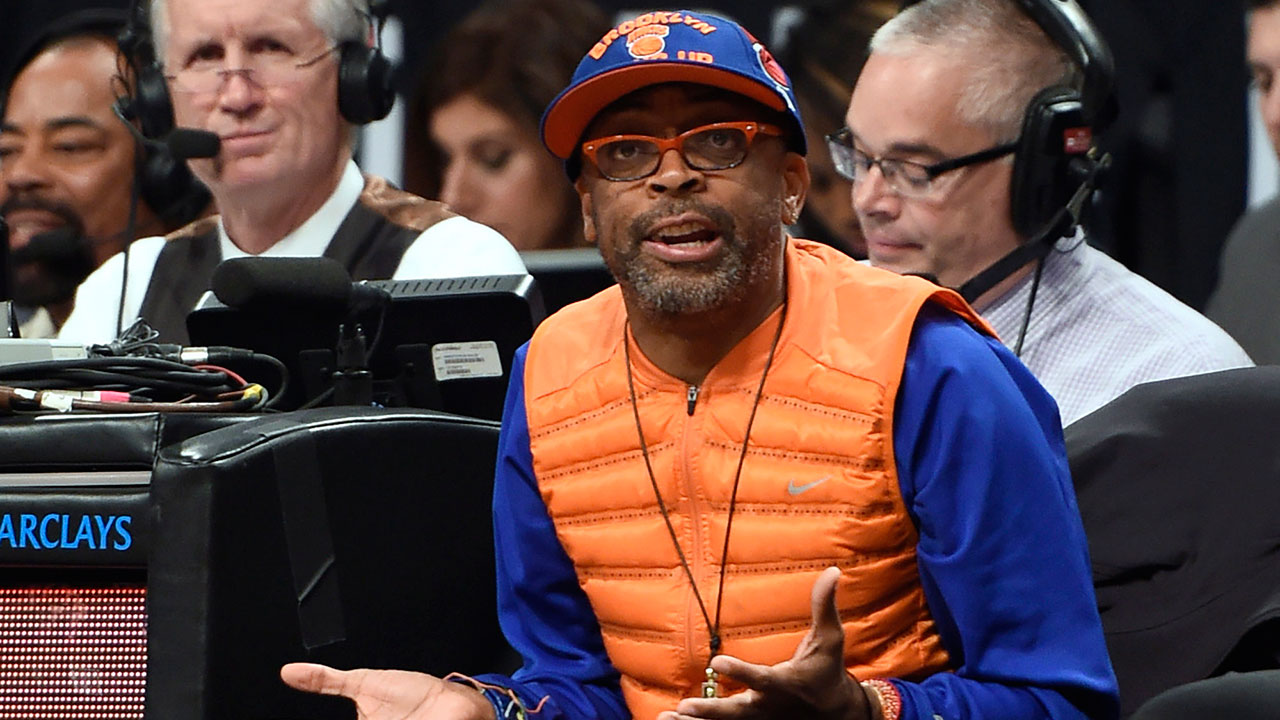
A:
(567, 275)
(444, 344)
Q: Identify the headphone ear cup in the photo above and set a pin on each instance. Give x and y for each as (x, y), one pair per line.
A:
(151, 104)
(1043, 179)
(364, 84)
(147, 101)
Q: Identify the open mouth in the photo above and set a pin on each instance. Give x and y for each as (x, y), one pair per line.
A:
(687, 233)
(685, 237)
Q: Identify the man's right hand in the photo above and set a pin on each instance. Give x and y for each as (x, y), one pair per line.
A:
(392, 694)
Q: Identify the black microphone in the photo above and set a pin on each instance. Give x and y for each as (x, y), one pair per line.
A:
(315, 282)
(188, 143)
(50, 267)
(183, 143)
(62, 247)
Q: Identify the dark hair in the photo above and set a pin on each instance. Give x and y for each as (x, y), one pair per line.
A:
(94, 23)
(515, 55)
(1260, 4)
(825, 53)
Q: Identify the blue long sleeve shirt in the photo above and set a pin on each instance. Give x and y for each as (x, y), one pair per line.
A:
(1001, 552)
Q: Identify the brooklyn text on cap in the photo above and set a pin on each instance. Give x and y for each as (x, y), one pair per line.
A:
(661, 47)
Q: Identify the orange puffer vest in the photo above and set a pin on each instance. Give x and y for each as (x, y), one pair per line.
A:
(818, 488)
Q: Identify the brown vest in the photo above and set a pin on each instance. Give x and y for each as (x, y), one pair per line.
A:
(370, 242)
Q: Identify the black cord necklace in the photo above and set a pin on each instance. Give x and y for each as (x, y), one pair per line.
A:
(1031, 301)
(709, 685)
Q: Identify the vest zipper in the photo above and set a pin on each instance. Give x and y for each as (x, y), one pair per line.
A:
(693, 641)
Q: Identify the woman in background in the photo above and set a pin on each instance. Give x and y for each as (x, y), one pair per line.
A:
(480, 101)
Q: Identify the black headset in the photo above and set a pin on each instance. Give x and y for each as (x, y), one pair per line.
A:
(1057, 164)
(365, 92)
(1056, 150)
(166, 185)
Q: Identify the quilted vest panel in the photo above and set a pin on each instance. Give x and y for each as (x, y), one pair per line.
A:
(818, 487)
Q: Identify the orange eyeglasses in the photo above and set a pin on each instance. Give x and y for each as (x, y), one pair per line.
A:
(718, 146)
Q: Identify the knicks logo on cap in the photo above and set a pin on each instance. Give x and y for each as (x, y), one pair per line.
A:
(767, 63)
(648, 41)
(644, 48)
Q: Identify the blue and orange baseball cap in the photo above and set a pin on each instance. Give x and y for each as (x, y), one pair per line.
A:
(661, 47)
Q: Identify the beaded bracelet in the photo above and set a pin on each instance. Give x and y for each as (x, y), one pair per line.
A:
(889, 699)
(506, 703)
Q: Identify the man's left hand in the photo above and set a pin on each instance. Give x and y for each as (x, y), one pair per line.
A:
(812, 684)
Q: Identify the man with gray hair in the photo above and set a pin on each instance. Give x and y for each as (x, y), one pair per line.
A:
(970, 148)
(281, 84)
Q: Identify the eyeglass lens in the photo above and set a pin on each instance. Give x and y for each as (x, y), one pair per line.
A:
(854, 165)
(264, 70)
(710, 149)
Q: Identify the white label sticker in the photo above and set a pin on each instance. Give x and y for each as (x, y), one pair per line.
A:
(454, 361)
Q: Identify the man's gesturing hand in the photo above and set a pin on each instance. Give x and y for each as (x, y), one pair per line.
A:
(391, 694)
(812, 684)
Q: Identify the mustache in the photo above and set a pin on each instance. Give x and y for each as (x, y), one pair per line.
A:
(721, 218)
(29, 201)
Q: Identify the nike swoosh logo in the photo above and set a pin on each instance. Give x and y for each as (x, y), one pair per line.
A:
(794, 489)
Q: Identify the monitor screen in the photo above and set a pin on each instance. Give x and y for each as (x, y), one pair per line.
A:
(73, 625)
(444, 344)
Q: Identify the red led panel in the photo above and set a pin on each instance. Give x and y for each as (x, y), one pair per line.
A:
(69, 652)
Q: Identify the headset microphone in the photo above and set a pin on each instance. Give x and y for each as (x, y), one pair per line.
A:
(190, 143)
(1037, 247)
(179, 144)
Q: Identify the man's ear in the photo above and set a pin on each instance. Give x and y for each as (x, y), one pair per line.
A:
(588, 213)
(795, 186)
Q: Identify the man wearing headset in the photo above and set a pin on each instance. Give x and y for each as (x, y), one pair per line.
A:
(937, 147)
(281, 84)
(68, 167)
(741, 412)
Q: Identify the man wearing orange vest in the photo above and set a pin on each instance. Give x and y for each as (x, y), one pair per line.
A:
(758, 479)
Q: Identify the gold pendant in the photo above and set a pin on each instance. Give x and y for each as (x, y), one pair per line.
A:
(709, 685)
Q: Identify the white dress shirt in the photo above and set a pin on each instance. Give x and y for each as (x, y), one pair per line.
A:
(455, 247)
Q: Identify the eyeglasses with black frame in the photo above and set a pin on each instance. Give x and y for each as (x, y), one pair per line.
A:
(907, 178)
(718, 146)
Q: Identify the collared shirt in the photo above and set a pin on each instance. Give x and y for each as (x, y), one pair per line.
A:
(35, 322)
(1001, 550)
(455, 247)
(1097, 329)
